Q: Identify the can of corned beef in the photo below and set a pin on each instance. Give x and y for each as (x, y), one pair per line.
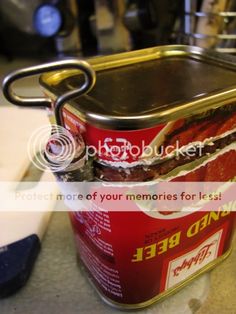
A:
(162, 114)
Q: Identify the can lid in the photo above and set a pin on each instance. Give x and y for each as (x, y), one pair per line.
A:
(144, 88)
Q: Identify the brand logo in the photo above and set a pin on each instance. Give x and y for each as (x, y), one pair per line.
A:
(117, 148)
(198, 259)
(182, 267)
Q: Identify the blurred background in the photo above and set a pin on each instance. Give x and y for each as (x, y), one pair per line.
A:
(39, 28)
(56, 28)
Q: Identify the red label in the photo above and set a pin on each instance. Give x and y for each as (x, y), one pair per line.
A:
(133, 257)
(112, 145)
(120, 145)
(127, 252)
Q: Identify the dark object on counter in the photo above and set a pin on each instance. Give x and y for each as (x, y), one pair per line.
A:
(152, 22)
(16, 263)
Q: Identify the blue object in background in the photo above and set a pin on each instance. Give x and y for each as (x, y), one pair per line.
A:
(47, 20)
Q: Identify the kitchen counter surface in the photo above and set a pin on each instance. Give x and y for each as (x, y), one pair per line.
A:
(58, 286)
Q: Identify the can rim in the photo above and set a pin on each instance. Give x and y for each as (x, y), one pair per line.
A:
(215, 101)
(184, 109)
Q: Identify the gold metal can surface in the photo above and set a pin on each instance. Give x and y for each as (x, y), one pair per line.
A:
(160, 114)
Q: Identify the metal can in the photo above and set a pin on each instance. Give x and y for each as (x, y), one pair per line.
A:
(153, 98)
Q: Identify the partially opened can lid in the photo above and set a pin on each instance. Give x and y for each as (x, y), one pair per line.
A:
(143, 88)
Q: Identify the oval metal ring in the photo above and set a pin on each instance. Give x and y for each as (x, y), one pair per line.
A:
(24, 101)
